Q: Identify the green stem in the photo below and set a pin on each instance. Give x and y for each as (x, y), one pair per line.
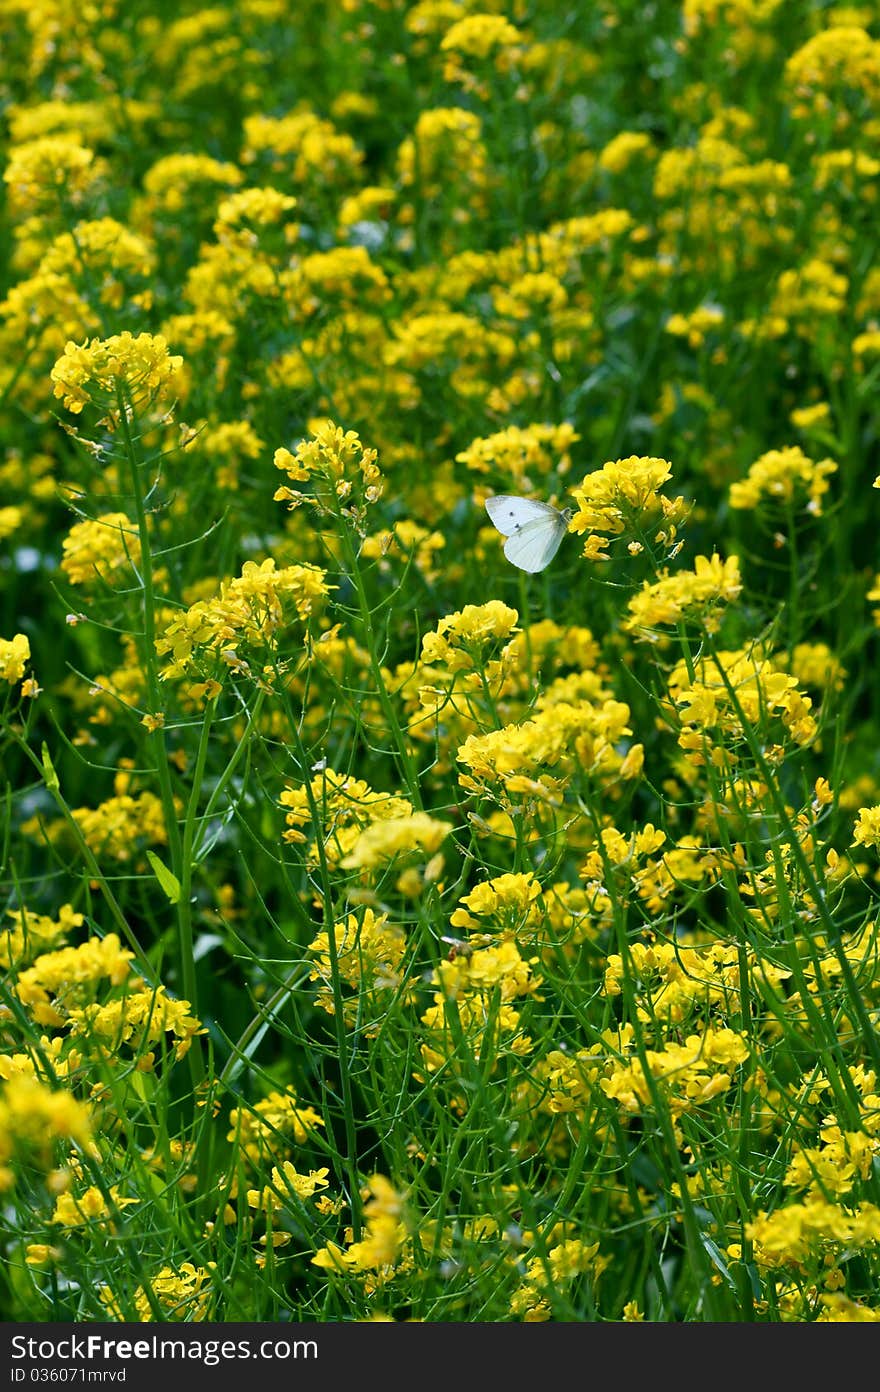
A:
(240, 1050)
(793, 584)
(184, 907)
(223, 781)
(815, 889)
(156, 737)
(823, 1033)
(658, 1103)
(342, 1044)
(403, 754)
(50, 778)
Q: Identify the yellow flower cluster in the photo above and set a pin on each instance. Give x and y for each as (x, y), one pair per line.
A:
(368, 956)
(372, 834)
(386, 1234)
(844, 57)
(250, 611)
(687, 1075)
(31, 933)
(14, 657)
(564, 1262)
(517, 454)
(184, 1294)
(266, 1128)
(54, 988)
(100, 549)
(39, 170)
(731, 691)
(624, 498)
(691, 594)
(33, 1118)
(786, 477)
(139, 367)
(530, 759)
(332, 458)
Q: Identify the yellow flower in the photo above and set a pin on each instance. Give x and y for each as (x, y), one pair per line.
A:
(711, 583)
(406, 538)
(866, 345)
(100, 549)
(509, 898)
(794, 1232)
(142, 1017)
(867, 828)
(384, 1238)
(32, 933)
(697, 325)
(395, 838)
(301, 147)
(624, 497)
(839, 1309)
(815, 665)
(369, 955)
(459, 636)
(33, 1117)
(806, 418)
(59, 974)
(249, 611)
(333, 457)
(562, 736)
(763, 690)
(347, 806)
(226, 444)
(841, 60)
(806, 296)
(265, 1129)
(852, 170)
(287, 1182)
(626, 147)
(786, 476)
(88, 1207)
(14, 655)
(480, 35)
(40, 1254)
(446, 146)
(185, 1294)
(118, 826)
(331, 1257)
(688, 1075)
(141, 367)
(367, 205)
(516, 452)
(251, 207)
(343, 278)
(174, 181)
(43, 174)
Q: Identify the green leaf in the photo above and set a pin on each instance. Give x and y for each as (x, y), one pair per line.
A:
(49, 773)
(717, 1259)
(170, 883)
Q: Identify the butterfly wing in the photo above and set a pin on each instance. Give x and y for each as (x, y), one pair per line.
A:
(534, 530)
(510, 513)
(532, 546)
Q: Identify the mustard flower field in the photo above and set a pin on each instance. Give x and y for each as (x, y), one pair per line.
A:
(410, 913)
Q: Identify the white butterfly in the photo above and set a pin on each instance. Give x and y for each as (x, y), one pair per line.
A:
(534, 530)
